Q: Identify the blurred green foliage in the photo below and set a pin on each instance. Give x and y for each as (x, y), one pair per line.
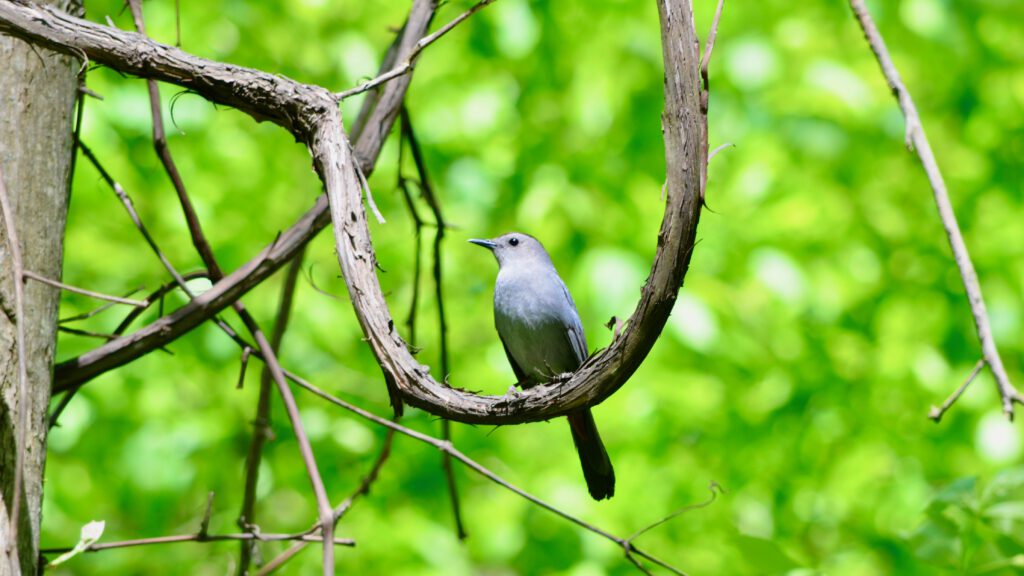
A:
(821, 317)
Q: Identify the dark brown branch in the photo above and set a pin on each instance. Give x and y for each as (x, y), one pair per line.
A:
(261, 424)
(917, 140)
(164, 153)
(86, 333)
(440, 225)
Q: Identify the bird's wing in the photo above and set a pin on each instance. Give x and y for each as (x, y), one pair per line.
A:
(574, 328)
(520, 375)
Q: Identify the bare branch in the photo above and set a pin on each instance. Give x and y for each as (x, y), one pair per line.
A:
(916, 140)
(708, 47)
(937, 412)
(87, 333)
(98, 310)
(448, 448)
(714, 488)
(442, 325)
(718, 149)
(261, 425)
(202, 538)
(410, 60)
(115, 299)
(340, 510)
(129, 206)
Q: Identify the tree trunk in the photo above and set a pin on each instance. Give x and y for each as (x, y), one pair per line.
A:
(37, 95)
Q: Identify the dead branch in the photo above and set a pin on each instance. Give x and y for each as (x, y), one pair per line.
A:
(916, 140)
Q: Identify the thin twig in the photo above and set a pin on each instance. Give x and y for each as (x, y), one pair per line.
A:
(325, 512)
(261, 424)
(403, 185)
(201, 538)
(126, 201)
(204, 525)
(340, 510)
(23, 404)
(158, 294)
(450, 449)
(79, 113)
(714, 488)
(86, 333)
(937, 412)
(115, 299)
(916, 140)
(407, 66)
(709, 45)
(246, 353)
(216, 274)
(98, 310)
(442, 325)
(164, 153)
(718, 149)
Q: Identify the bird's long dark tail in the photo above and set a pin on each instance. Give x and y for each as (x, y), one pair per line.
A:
(597, 467)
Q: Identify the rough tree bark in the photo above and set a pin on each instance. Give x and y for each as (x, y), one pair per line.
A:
(37, 96)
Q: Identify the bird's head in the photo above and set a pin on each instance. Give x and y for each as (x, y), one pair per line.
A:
(515, 248)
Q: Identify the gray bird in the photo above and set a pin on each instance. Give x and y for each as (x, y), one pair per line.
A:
(540, 328)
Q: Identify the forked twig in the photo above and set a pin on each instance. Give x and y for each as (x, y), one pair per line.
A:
(917, 141)
(410, 62)
(937, 412)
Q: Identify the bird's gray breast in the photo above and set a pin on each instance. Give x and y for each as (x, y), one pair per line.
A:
(538, 323)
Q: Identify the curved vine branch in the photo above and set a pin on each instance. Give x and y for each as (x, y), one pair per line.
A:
(684, 126)
(311, 114)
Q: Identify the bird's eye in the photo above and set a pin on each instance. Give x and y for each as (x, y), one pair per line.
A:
(513, 241)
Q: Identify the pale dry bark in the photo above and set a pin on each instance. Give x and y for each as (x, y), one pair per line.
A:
(37, 95)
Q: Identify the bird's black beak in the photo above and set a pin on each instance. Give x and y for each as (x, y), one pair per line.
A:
(489, 244)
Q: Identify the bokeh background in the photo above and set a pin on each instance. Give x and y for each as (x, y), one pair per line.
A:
(821, 318)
